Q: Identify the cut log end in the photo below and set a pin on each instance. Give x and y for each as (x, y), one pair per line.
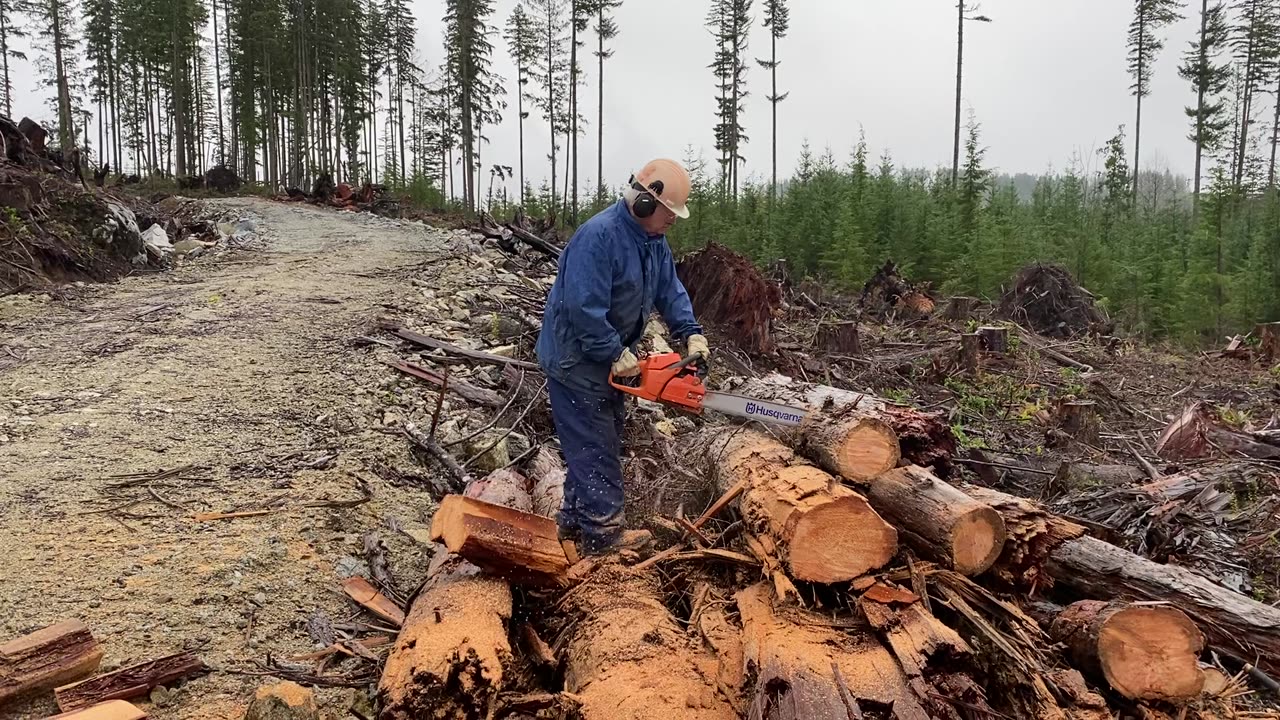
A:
(866, 450)
(840, 540)
(1143, 652)
(978, 538)
(1150, 653)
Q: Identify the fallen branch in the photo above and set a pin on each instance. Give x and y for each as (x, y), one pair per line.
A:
(130, 682)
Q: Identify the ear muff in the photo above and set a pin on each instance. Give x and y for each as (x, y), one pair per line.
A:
(646, 203)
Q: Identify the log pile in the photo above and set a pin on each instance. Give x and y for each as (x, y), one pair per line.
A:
(842, 579)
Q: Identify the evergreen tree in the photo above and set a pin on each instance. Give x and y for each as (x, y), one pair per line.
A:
(776, 19)
(730, 21)
(469, 49)
(1256, 46)
(522, 44)
(1149, 18)
(606, 30)
(9, 31)
(552, 72)
(1210, 77)
(55, 20)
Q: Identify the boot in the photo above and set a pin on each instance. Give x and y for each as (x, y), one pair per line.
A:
(628, 540)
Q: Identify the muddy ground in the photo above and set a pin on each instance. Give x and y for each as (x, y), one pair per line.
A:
(240, 366)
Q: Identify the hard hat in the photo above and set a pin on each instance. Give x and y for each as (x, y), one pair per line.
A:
(669, 183)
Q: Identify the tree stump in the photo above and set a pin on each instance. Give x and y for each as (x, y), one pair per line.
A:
(1078, 419)
(841, 337)
(1268, 340)
(960, 308)
(995, 340)
(971, 352)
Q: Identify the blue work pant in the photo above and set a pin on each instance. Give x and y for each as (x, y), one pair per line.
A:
(590, 427)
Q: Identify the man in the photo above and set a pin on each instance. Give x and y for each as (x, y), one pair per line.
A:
(615, 271)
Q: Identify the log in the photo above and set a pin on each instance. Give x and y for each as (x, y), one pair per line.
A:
(995, 340)
(971, 352)
(1042, 549)
(522, 547)
(925, 439)
(451, 349)
(628, 659)
(794, 658)
(820, 530)
(453, 652)
(480, 396)
(547, 474)
(851, 442)
(1196, 434)
(939, 521)
(960, 308)
(111, 710)
(130, 682)
(47, 658)
(1143, 652)
(1268, 341)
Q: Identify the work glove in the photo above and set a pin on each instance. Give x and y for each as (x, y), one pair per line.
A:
(698, 346)
(626, 365)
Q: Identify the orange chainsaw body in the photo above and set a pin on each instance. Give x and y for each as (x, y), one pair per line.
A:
(665, 378)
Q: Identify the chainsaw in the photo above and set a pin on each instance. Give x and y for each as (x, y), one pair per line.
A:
(672, 380)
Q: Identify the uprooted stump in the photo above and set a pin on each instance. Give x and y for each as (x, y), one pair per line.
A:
(727, 289)
(1047, 299)
(889, 294)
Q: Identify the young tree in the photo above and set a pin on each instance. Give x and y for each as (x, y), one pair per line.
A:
(1149, 17)
(606, 30)
(522, 43)
(1210, 77)
(776, 19)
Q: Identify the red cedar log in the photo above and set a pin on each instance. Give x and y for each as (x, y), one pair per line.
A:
(47, 658)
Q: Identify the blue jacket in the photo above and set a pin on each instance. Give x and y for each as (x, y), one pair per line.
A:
(612, 276)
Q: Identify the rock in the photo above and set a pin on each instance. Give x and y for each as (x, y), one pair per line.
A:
(392, 418)
(497, 328)
(517, 444)
(497, 457)
(157, 242)
(348, 566)
(161, 695)
(506, 351)
(185, 247)
(283, 701)
(461, 315)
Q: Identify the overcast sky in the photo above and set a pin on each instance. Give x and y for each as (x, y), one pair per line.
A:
(1046, 80)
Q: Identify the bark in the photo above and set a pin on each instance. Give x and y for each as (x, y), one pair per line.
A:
(512, 544)
(995, 340)
(939, 521)
(1269, 341)
(925, 439)
(46, 658)
(628, 658)
(130, 682)
(1078, 420)
(820, 530)
(838, 337)
(971, 352)
(453, 651)
(960, 308)
(1143, 652)
(1043, 549)
(793, 659)
(547, 475)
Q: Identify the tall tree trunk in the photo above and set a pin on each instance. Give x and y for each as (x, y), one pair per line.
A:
(1137, 123)
(520, 118)
(217, 68)
(1200, 90)
(66, 124)
(600, 115)
(176, 95)
(551, 106)
(573, 106)
(955, 148)
(4, 58)
(1275, 136)
(773, 73)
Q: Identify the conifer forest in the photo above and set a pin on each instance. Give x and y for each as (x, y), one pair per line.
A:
(282, 91)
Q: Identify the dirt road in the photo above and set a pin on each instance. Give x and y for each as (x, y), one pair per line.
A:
(240, 368)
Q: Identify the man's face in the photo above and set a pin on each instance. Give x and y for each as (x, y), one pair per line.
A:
(659, 222)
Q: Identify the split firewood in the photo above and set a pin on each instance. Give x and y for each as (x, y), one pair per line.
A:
(925, 439)
(47, 658)
(110, 710)
(789, 656)
(453, 652)
(937, 520)
(627, 657)
(821, 531)
(519, 546)
(1144, 652)
(1196, 434)
(368, 597)
(1042, 549)
(130, 682)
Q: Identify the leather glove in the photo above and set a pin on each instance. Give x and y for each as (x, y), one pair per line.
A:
(626, 365)
(698, 346)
